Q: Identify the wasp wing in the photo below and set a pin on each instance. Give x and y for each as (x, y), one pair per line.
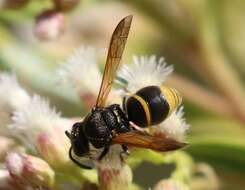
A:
(145, 140)
(116, 48)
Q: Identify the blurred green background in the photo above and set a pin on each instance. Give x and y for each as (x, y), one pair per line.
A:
(203, 39)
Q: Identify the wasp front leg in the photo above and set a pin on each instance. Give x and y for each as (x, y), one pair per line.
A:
(137, 128)
(104, 153)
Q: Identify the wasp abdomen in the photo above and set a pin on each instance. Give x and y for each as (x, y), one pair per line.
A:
(151, 105)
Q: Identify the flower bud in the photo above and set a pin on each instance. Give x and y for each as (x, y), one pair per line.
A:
(13, 4)
(66, 5)
(169, 184)
(52, 150)
(29, 170)
(49, 25)
(112, 178)
(113, 172)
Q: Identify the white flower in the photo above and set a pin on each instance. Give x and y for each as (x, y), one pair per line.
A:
(35, 117)
(82, 70)
(12, 98)
(143, 72)
(41, 129)
(174, 126)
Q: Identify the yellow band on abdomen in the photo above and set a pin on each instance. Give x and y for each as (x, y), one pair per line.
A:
(145, 107)
(172, 96)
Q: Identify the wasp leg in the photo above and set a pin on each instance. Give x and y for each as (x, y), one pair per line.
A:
(124, 151)
(136, 127)
(103, 153)
(77, 163)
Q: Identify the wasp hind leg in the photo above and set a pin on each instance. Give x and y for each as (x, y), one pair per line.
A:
(78, 163)
(124, 152)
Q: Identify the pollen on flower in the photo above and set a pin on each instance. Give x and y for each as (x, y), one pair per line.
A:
(144, 71)
(35, 117)
(82, 70)
(174, 126)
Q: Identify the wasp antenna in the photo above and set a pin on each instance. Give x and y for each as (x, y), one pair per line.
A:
(77, 163)
(68, 134)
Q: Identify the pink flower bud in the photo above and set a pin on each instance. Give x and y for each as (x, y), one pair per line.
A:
(49, 25)
(54, 151)
(115, 178)
(29, 170)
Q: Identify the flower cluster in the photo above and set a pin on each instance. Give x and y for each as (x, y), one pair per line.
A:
(41, 160)
(31, 122)
(144, 71)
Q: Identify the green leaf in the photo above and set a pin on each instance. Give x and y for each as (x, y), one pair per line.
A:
(219, 142)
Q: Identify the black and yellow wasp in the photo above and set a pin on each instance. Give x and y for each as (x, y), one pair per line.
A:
(108, 125)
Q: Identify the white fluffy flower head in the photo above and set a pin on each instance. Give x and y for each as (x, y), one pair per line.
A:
(143, 72)
(82, 70)
(12, 98)
(33, 118)
(11, 93)
(175, 125)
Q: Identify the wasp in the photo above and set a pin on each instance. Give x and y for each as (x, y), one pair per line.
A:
(108, 125)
